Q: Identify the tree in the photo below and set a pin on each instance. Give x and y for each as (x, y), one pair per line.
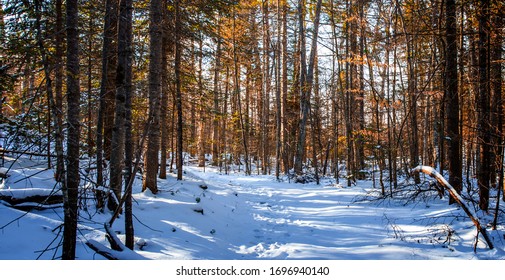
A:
(452, 95)
(71, 185)
(178, 90)
(484, 129)
(107, 92)
(306, 80)
(125, 56)
(155, 62)
(58, 103)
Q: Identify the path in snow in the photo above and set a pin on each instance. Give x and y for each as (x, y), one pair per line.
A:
(258, 217)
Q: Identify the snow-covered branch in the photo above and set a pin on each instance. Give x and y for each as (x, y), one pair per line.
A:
(471, 214)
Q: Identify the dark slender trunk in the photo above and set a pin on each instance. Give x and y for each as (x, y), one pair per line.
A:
(165, 84)
(266, 87)
(178, 90)
(58, 102)
(155, 62)
(278, 102)
(107, 92)
(71, 185)
(306, 80)
(483, 174)
(451, 82)
(216, 113)
(201, 107)
(126, 13)
(285, 132)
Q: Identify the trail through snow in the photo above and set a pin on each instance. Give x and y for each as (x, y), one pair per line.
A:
(213, 216)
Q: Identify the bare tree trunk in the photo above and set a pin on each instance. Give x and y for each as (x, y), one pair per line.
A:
(285, 133)
(178, 90)
(90, 95)
(71, 185)
(306, 80)
(107, 88)
(496, 81)
(451, 75)
(216, 114)
(123, 88)
(266, 87)
(201, 107)
(239, 104)
(164, 95)
(155, 62)
(483, 174)
(58, 103)
(47, 76)
(125, 30)
(278, 102)
(348, 104)
(360, 141)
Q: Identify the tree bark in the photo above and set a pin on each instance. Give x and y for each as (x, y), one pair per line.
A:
(306, 80)
(484, 129)
(266, 87)
(216, 112)
(452, 94)
(155, 62)
(278, 102)
(107, 88)
(125, 29)
(178, 90)
(165, 84)
(71, 186)
(58, 102)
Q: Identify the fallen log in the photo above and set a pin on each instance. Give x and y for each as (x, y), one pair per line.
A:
(38, 196)
(118, 250)
(454, 194)
(28, 153)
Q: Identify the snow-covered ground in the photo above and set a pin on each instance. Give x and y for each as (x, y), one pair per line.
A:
(213, 216)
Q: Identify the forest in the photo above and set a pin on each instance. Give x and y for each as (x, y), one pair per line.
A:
(115, 94)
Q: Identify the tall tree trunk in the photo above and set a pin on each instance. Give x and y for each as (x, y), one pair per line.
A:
(358, 59)
(110, 83)
(125, 58)
(178, 90)
(497, 81)
(348, 104)
(107, 88)
(304, 103)
(58, 103)
(266, 87)
(285, 133)
(123, 84)
(165, 84)
(201, 107)
(306, 80)
(90, 95)
(236, 93)
(47, 76)
(216, 112)
(452, 94)
(483, 173)
(278, 102)
(71, 185)
(155, 62)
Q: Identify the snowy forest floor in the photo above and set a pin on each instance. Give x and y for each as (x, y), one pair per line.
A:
(252, 217)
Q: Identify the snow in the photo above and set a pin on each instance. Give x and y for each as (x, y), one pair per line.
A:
(255, 217)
